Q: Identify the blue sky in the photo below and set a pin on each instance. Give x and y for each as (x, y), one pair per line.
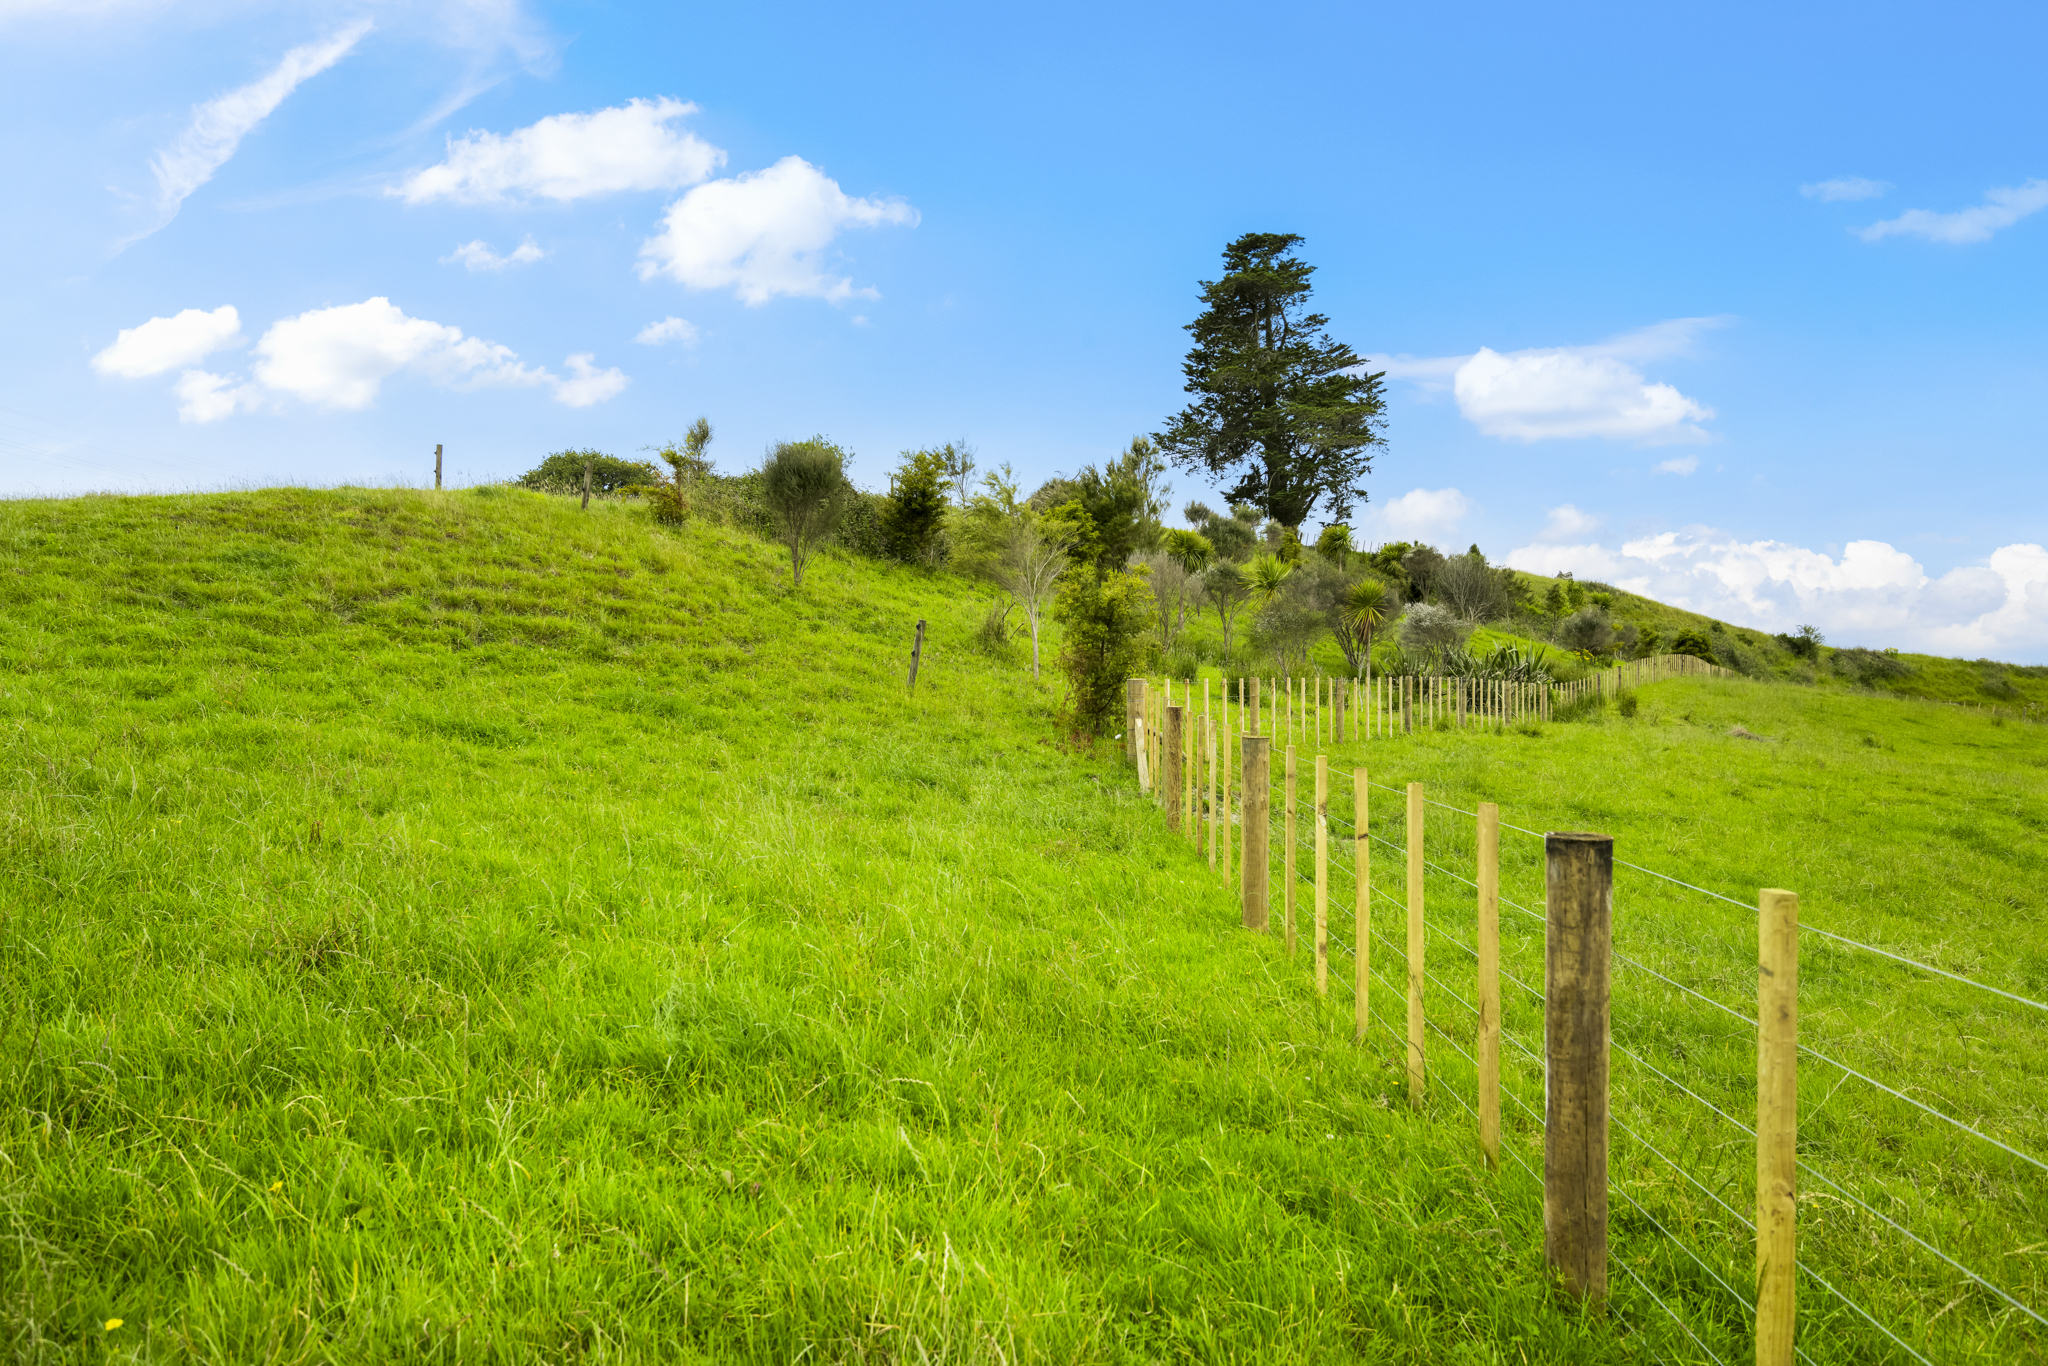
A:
(1740, 306)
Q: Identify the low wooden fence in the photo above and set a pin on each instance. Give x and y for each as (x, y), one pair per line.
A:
(1214, 772)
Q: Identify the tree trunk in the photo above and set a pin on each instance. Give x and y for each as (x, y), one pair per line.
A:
(1032, 611)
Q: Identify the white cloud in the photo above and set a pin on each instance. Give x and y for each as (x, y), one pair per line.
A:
(1678, 464)
(1872, 595)
(587, 384)
(1566, 522)
(1417, 515)
(219, 125)
(566, 157)
(1845, 189)
(763, 234)
(167, 343)
(669, 329)
(477, 255)
(338, 357)
(1569, 391)
(2001, 209)
(204, 397)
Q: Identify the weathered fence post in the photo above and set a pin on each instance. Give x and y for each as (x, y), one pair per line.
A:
(1361, 911)
(1777, 1123)
(1287, 859)
(1322, 875)
(1258, 779)
(1170, 768)
(1191, 747)
(586, 483)
(1489, 982)
(1415, 945)
(437, 464)
(1579, 899)
(916, 653)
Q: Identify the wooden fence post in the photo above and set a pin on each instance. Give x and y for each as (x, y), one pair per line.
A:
(916, 653)
(1258, 788)
(1579, 898)
(1322, 875)
(1361, 911)
(1209, 737)
(1287, 858)
(1489, 982)
(1170, 767)
(1224, 751)
(1252, 716)
(1134, 707)
(1777, 1123)
(1415, 946)
(437, 464)
(1190, 747)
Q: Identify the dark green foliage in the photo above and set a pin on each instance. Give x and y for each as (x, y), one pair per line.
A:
(1105, 617)
(913, 521)
(1870, 667)
(1279, 407)
(1122, 502)
(562, 472)
(1234, 534)
(1421, 564)
(1804, 643)
(803, 483)
(1648, 639)
(1625, 702)
(1694, 643)
(1588, 631)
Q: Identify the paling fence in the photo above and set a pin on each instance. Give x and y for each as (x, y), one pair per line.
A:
(1783, 1137)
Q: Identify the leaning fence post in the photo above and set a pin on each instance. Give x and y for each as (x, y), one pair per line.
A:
(1322, 875)
(1489, 982)
(916, 654)
(1415, 945)
(1777, 1123)
(1287, 858)
(1579, 899)
(1170, 766)
(1258, 780)
(1361, 911)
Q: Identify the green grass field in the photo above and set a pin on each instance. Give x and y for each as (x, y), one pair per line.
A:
(459, 927)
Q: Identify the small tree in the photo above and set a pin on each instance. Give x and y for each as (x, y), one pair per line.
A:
(1335, 544)
(562, 472)
(1227, 589)
(959, 460)
(1105, 620)
(914, 518)
(1363, 611)
(804, 485)
(1430, 627)
(1032, 565)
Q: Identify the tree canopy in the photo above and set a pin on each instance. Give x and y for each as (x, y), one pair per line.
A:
(1282, 408)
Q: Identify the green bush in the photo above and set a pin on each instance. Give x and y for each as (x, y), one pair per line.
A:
(1695, 642)
(562, 472)
(913, 517)
(1106, 621)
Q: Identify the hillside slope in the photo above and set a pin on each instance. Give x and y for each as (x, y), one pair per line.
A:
(455, 926)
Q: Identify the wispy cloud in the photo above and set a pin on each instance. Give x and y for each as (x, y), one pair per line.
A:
(2001, 209)
(478, 255)
(1679, 464)
(669, 329)
(219, 125)
(566, 157)
(1570, 391)
(1845, 189)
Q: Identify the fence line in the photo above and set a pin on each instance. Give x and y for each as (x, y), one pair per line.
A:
(1275, 712)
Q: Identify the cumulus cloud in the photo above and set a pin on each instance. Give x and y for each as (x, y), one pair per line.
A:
(1569, 391)
(1873, 594)
(167, 343)
(586, 383)
(2001, 209)
(205, 397)
(1844, 190)
(219, 125)
(1565, 522)
(763, 234)
(566, 157)
(1678, 464)
(669, 329)
(1417, 515)
(477, 255)
(336, 358)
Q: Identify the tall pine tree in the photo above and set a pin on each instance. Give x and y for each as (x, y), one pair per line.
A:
(1282, 407)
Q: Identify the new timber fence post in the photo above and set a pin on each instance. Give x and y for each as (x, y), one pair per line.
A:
(1134, 707)
(1777, 1123)
(1489, 982)
(1579, 900)
(1361, 911)
(1257, 777)
(1322, 875)
(1170, 768)
(1287, 859)
(1415, 946)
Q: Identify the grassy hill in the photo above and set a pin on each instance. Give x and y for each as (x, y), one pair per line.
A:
(460, 927)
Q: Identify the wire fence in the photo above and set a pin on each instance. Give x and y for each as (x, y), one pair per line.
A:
(1922, 1218)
